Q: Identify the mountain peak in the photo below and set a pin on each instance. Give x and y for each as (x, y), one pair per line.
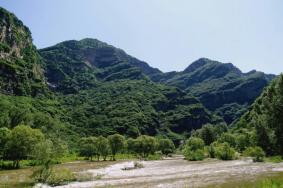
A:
(199, 63)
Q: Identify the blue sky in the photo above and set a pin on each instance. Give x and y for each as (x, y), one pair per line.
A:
(168, 34)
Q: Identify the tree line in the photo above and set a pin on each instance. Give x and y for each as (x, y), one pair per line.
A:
(142, 146)
(25, 143)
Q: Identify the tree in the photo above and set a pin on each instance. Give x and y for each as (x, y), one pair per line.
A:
(132, 145)
(256, 153)
(21, 144)
(228, 138)
(88, 147)
(195, 143)
(5, 135)
(146, 145)
(117, 143)
(103, 147)
(208, 134)
(225, 152)
(43, 153)
(166, 146)
(194, 149)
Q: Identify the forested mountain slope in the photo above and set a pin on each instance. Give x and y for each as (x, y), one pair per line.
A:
(74, 65)
(93, 89)
(88, 87)
(20, 70)
(265, 118)
(221, 87)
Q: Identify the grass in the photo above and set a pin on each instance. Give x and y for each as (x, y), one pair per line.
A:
(270, 180)
(274, 159)
(21, 178)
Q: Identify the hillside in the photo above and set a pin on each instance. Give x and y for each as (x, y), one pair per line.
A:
(20, 70)
(117, 92)
(93, 89)
(265, 118)
(74, 65)
(221, 87)
(96, 88)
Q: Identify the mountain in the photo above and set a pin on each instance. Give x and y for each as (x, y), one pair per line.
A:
(20, 69)
(117, 93)
(265, 118)
(74, 65)
(221, 87)
(88, 87)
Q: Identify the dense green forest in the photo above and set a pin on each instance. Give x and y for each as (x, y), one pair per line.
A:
(91, 99)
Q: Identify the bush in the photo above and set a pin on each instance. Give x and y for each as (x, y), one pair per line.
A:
(225, 152)
(194, 144)
(166, 146)
(256, 153)
(211, 150)
(60, 177)
(194, 149)
(229, 138)
(197, 155)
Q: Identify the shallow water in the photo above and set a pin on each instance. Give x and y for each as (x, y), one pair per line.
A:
(179, 173)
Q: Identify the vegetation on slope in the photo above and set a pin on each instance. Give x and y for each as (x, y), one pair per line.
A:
(20, 71)
(222, 88)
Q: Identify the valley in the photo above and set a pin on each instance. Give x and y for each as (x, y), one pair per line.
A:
(84, 113)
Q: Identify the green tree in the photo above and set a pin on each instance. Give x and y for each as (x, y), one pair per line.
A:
(117, 144)
(225, 152)
(87, 147)
(194, 149)
(103, 147)
(166, 146)
(146, 145)
(194, 144)
(256, 153)
(228, 138)
(132, 145)
(22, 143)
(208, 134)
(5, 135)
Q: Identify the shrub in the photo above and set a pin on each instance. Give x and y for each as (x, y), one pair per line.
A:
(194, 144)
(166, 146)
(229, 138)
(197, 155)
(194, 149)
(60, 177)
(211, 150)
(225, 152)
(256, 153)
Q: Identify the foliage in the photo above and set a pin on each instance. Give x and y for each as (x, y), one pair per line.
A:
(21, 143)
(194, 149)
(60, 176)
(225, 152)
(209, 133)
(166, 146)
(228, 138)
(88, 147)
(221, 87)
(5, 134)
(265, 118)
(103, 147)
(117, 144)
(256, 152)
(146, 145)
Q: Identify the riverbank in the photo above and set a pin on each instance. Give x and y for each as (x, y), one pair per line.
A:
(177, 172)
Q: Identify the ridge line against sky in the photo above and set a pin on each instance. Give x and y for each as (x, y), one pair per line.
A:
(167, 34)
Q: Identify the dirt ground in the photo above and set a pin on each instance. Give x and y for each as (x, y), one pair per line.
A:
(177, 172)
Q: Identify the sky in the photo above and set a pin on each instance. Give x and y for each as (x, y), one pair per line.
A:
(167, 34)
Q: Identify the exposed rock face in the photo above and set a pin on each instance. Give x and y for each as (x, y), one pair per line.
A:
(20, 68)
